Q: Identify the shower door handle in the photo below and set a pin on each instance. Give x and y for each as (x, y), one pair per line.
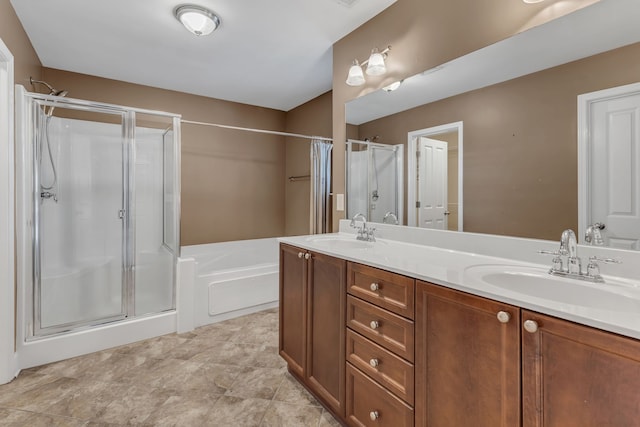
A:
(121, 213)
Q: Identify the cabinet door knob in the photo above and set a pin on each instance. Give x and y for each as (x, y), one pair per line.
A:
(503, 317)
(531, 326)
(374, 415)
(374, 324)
(307, 256)
(374, 286)
(374, 363)
(300, 254)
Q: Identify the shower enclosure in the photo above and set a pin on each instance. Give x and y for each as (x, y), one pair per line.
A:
(98, 190)
(375, 181)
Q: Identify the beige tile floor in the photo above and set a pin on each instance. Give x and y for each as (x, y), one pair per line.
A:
(226, 374)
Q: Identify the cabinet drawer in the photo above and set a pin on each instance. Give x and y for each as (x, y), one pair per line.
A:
(391, 331)
(370, 404)
(393, 372)
(388, 290)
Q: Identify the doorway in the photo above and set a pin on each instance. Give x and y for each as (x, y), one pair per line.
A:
(435, 173)
(609, 164)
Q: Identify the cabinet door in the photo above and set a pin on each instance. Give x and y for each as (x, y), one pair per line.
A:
(574, 375)
(326, 330)
(467, 360)
(293, 314)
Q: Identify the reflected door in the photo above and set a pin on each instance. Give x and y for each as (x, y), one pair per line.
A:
(432, 184)
(614, 158)
(80, 213)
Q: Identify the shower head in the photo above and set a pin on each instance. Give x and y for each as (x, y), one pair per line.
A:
(49, 110)
(52, 91)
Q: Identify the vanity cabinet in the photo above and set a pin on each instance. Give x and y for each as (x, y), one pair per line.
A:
(380, 347)
(467, 360)
(383, 349)
(312, 319)
(574, 375)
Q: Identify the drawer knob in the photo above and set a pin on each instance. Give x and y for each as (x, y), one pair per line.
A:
(374, 363)
(300, 254)
(374, 286)
(503, 317)
(374, 324)
(307, 256)
(531, 326)
(374, 415)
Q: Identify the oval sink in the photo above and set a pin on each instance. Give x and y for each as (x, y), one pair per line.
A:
(536, 282)
(340, 242)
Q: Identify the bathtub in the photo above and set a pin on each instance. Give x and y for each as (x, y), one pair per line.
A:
(232, 279)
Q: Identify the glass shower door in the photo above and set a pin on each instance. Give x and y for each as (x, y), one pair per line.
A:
(80, 214)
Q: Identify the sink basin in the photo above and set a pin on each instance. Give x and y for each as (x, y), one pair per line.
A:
(536, 282)
(340, 242)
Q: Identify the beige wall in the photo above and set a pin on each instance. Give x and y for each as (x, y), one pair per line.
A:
(520, 143)
(424, 34)
(312, 118)
(26, 62)
(232, 181)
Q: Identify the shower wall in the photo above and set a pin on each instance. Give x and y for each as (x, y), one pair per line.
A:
(83, 236)
(374, 176)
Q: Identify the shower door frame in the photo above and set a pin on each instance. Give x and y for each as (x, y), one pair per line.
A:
(28, 237)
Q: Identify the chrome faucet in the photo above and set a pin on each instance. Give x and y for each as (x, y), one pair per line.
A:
(573, 269)
(364, 232)
(392, 216)
(593, 236)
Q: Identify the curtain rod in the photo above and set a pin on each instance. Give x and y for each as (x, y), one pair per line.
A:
(272, 132)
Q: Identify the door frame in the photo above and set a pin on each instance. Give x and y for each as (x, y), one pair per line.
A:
(585, 102)
(412, 137)
(8, 365)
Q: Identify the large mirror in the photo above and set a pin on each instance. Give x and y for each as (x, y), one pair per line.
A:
(513, 108)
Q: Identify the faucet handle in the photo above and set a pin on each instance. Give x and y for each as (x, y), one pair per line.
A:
(557, 261)
(556, 253)
(607, 260)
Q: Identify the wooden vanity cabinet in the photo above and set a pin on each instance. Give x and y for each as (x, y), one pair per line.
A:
(312, 322)
(574, 375)
(467, 360)
(380, 347)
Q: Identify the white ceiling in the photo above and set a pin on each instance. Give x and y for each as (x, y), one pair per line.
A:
(275, 53)
(603, 26)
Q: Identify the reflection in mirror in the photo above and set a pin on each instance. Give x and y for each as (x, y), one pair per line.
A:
(520, 116)
(435, 177)
(375, 181)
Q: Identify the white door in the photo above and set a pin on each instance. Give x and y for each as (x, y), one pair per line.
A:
(432, 183)
(614, 175)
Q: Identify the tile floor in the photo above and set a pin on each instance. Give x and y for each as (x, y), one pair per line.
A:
(226, 374)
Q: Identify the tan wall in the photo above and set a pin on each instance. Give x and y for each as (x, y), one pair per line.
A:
(26, 62)
(520, 143)
(232, 181)
(312, 118)
(424, 34)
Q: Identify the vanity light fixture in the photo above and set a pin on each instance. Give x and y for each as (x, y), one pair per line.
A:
(197, 19)
(375, 67)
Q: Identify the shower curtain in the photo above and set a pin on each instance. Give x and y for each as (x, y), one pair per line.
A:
(320, 185)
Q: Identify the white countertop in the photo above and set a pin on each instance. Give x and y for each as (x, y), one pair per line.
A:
(451, 264)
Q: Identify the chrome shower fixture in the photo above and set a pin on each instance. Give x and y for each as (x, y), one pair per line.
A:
(49, 110)
(52, 91)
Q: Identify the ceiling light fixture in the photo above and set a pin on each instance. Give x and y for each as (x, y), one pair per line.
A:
(533, 1)
(375, 67)
(197, 19)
